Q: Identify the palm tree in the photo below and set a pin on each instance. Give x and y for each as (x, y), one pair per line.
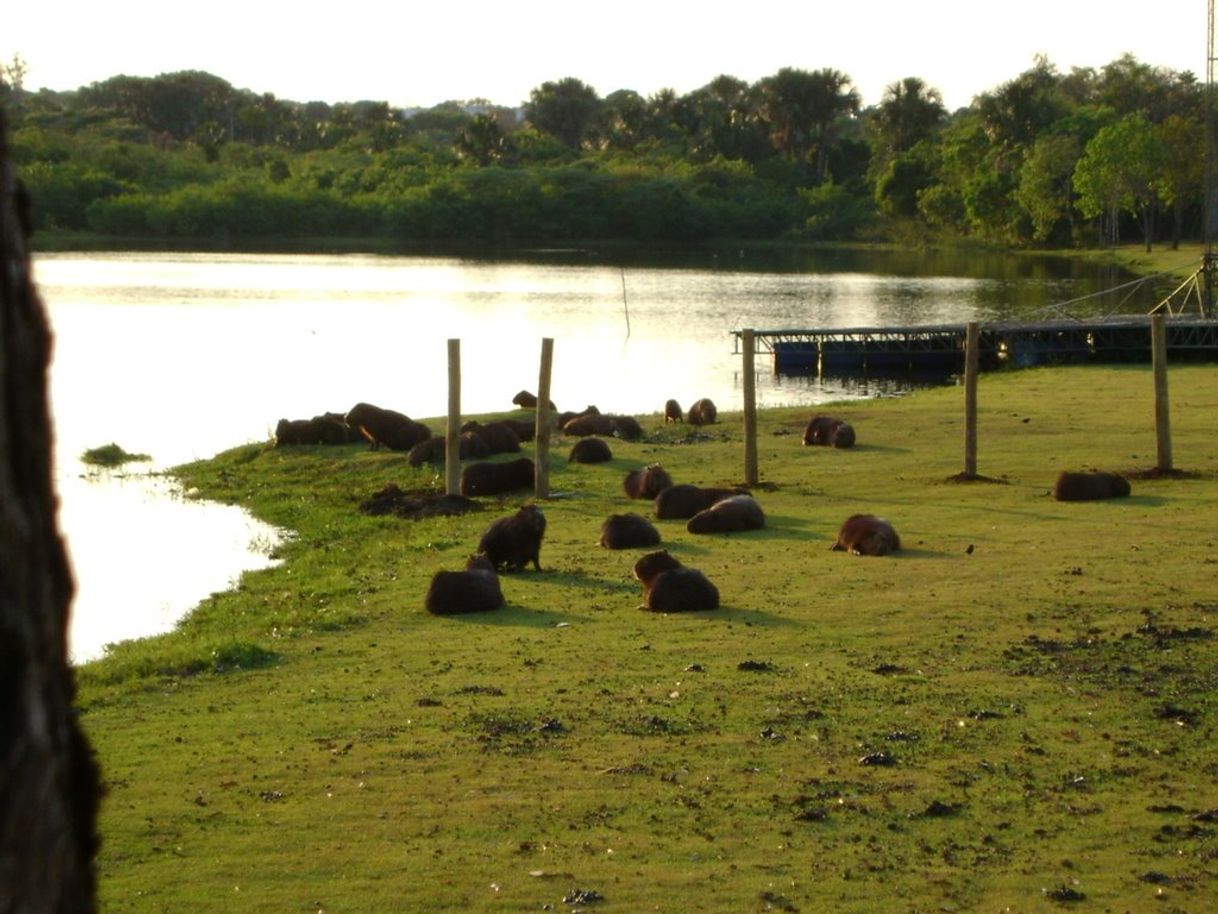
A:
(802, 109)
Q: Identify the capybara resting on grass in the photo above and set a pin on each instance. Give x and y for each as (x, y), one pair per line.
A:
(318, 430)
(474, 590)
(683, 501)
(628, 531)
(590, 450)
(626, 427)
(489, 478)
(672, 412)
(866, 534)
(527, 400)
(589, 424)
(703, 412)
(565, 417)
(515, 540)
(648, 482)
(728, 515)
(1090, 486)
(829, 432)
(396, 431)
(500, 437)
(670, 587)
(471, 447)
(525, 430)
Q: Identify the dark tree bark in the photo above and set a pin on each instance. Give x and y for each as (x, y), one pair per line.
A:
(49, 784)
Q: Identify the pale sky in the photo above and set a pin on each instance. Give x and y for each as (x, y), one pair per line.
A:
(419, 54)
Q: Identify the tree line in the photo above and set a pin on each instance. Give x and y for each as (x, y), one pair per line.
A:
(1047, 158)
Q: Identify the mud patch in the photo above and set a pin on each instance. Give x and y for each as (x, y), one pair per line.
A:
(416, 504)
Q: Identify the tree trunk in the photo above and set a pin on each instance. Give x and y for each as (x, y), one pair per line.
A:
(49, 787)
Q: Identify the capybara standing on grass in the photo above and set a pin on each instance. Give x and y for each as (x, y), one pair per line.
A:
(628, 531)
(590, 450)
(703, 412)
(682, 501)
(829, 432)
(1091, 486)
(474, 590)
(514, 541)
(491, 478)
(670, 587)
(866, 534)
(728, 515)
(396, 431)
(648, 482)
(672, 412)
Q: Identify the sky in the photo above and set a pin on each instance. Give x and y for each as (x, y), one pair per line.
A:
(421, 54)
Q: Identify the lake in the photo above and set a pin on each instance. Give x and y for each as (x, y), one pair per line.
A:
(179, 356)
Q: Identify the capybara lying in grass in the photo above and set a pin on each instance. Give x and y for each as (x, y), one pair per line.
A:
(474, 590)
(525, 430)
(318, 430)
(626, 427)
(829, 432)
(682, 501)
(500, 437)
(515, 540)
(490, 478)
(396, 431)
(866, 534)
(670, 587)
(628, 531)
(527, 400)
(672, 412)
(703, 412)
(728, 515)
(590, 450)
(1090, 486)
(589, 424)
(471, 447)
(648, 482)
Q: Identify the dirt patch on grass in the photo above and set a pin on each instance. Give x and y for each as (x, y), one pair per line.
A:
(416, 504)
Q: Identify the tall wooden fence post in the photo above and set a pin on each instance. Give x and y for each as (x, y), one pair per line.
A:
(452, 432)
(541, 437)
(1158, 347)
(972, 361)
(750, 412)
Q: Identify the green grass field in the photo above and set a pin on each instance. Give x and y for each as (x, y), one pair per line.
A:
(1024, 725)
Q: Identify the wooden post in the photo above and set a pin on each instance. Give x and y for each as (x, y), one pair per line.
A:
(452, 437)
(971, 363)
(750, 412)
(1158, 347)
(541, 437)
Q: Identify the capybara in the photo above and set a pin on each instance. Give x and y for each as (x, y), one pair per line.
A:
(628, 531)
(433, 450)
(500, 437)
(670, 587)
(626, 427)
(396, 431)
(866, 534)
(682, 501)
(474, 590)
(527, 400)
(703, 412)
(490, 478)
(1090, 486)
(728, 515)
(648, 482)
(589, 410)
(525, 430)
(515, 540)
(328, 428)
(589, 424)
(829, 432)
(672, 412)
(590, 450)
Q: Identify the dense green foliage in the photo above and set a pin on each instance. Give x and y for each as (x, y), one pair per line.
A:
(1047, 157)
(1015, 712)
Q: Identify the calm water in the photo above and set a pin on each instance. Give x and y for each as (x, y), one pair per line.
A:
(180, 356)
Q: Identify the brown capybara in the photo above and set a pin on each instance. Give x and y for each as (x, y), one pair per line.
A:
(1090, 486)
(474, 590)
(670, 587)
(433, 450)
(525, 430)
(589, 424)
(626, 427)
(628, 531)
(590, 450)
(350, 435)
(672, 412)
(328, 428)
(500, 437)
(728, 515)
(396, 431)
(527, 400)
(683, 501)
(515, 540)
(866, 534)
(829, 432)
(648, 482)
(589, 410)
(703, 412)
(491, 478)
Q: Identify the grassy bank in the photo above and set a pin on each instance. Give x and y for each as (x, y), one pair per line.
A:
(1015, 713)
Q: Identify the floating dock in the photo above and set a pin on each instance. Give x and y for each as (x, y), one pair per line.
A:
(940, 348)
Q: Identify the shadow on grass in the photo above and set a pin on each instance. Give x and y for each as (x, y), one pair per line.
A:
(511, 614)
